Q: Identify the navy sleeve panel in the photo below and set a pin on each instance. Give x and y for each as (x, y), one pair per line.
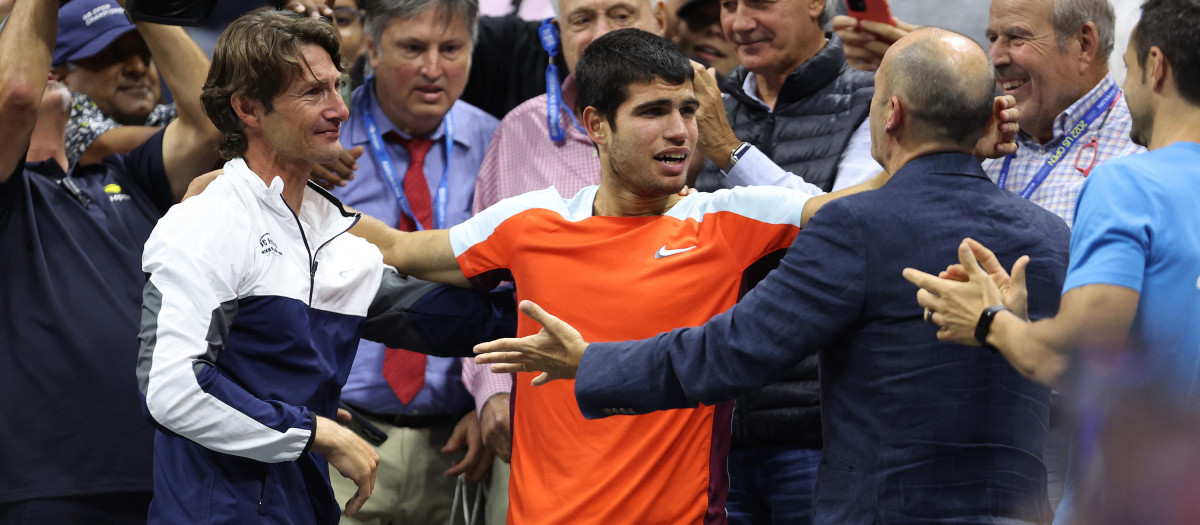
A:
(814, 295)
(144, 167)
(437, 319)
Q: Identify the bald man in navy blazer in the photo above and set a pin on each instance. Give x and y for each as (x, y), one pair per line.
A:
(916, 430)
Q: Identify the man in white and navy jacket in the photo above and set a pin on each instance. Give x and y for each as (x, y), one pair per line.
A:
(257, 296)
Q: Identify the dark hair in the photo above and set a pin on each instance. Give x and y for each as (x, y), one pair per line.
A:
(1174, 27)
(623, 57)
(380, 13)
(951, 103)
(256, 57)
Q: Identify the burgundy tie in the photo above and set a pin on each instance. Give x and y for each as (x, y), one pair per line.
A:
(405, 370)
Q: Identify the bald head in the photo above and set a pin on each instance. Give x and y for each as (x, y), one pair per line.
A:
(945, 81)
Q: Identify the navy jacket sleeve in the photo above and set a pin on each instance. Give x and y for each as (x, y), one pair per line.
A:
(438, 319)
(814, 295)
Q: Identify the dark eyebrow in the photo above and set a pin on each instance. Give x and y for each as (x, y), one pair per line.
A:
(650, 104)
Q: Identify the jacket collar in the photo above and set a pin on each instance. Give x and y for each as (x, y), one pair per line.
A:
(320, 211)
(959, 164)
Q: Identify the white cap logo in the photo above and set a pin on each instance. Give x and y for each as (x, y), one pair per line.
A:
(100, 12)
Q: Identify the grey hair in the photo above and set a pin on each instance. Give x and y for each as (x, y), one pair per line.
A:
(1070, 15)
(379, 13)
(554, 6)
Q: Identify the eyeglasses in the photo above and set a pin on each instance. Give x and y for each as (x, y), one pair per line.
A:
(1090, 158)
(346, 16)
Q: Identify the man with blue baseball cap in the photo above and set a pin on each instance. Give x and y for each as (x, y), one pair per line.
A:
(74, 446)
(103, 59)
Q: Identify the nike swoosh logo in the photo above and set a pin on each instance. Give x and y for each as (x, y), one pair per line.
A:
(664, 252)
(343, 273)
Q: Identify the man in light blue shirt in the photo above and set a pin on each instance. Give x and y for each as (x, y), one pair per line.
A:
(420, 52)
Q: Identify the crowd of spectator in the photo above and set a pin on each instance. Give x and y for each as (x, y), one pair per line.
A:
(245, 277)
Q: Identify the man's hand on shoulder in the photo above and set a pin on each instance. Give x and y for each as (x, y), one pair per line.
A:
(338, 172)
(198, 184)
(352, 457)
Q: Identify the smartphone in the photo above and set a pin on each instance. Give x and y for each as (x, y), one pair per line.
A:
(874, 10)
(365, 429)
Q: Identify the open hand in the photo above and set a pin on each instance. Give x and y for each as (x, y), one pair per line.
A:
(955, 304)
(555, 350)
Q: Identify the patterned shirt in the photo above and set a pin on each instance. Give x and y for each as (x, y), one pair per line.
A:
(87, 123)
(1106, 138)
(522, 158)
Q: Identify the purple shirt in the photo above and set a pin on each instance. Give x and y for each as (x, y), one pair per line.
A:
(370, 193)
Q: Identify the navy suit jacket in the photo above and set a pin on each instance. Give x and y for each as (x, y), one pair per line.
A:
(916, 430)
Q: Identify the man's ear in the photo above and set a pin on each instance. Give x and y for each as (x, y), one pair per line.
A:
(815, 8)
(372, 52)
(1156, 70)
(248, 111)
(659, 11)
(895, 115)
(597, 125)
(1089, 45)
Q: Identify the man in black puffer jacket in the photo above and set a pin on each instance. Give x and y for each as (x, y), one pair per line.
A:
(795, 102)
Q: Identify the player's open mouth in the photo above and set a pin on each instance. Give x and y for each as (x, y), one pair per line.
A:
(672, 158)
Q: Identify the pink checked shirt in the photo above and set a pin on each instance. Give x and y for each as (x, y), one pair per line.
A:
(1059, 192)
(521, 158)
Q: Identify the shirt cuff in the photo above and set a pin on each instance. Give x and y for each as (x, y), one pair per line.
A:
(755, 169)
(482, 383)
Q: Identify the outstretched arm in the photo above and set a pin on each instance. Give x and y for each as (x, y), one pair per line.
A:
(804, 304)
(425, 254)
(26, 45)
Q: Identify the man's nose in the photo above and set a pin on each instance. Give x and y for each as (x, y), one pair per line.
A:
(431, 64)
(136, 65)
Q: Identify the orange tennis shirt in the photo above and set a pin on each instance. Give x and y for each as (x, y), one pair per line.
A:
(614, 279)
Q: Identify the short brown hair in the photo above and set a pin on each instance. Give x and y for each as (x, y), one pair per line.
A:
(257, 56)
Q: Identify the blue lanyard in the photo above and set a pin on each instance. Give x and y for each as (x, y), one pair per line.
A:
(1106, 101)
(389, 171)
(548, 34)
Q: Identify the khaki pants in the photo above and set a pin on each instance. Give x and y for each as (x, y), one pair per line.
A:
(496, 510)
(409, 487)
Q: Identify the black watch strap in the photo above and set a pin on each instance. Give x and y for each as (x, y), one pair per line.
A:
(985, 324)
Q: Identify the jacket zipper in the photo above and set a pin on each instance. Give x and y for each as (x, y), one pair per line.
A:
(312, 255)
(312, 261)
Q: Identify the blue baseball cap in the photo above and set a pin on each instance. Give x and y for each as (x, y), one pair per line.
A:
(86, 27)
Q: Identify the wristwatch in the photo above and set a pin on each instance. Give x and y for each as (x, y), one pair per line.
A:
(985, 324)
(737, 154)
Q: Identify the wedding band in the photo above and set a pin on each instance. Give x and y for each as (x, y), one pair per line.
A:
(928, 316)
(523, 367)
